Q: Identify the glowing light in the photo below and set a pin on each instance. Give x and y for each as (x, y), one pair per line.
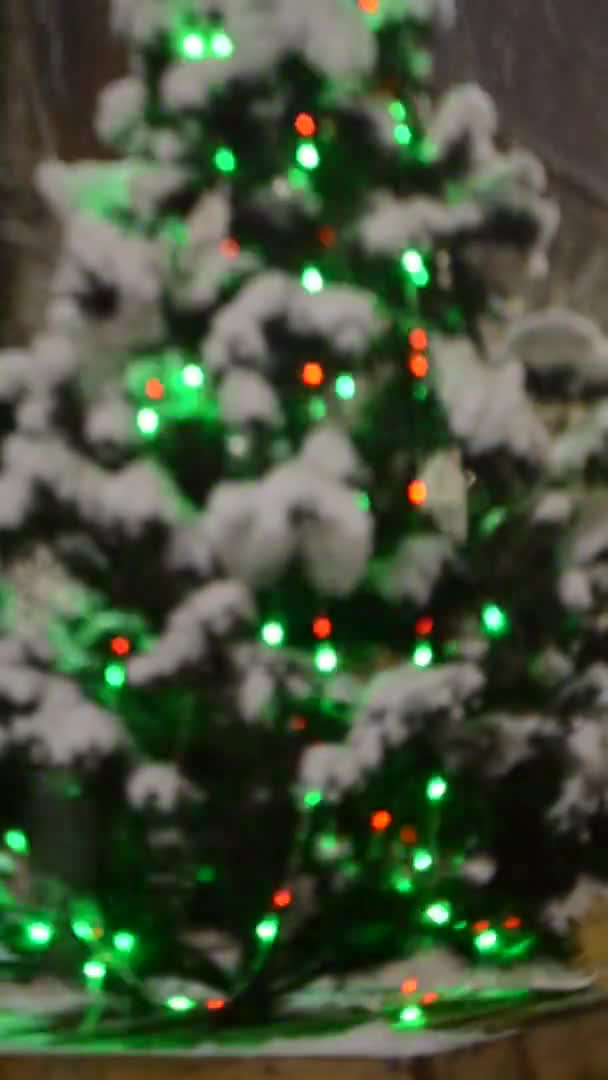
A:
(327, 236)
(422, 655)
(230, 247)
(409, 986)
(83, 930)
(423, 860)
(155, 389)
(417, 492)
(268, 929)
(486, 941)
(215, 1004)
(370, 7)
(326, 659)
(439, 913)
(494, 620)
(430, 998)
(425, 625)
(480, 926)
(512, 923)
(363, 501)
(413, 263)
(115, 676)
(436, 789)
(120, 646)
(402, 882)
(322, 627)
(282, 898)
(273, 634)
(180, 1003)
(408, 834)
(221, 45)
(312, 279)
(380, 820)
(312, 799)
(419, 339)
(397, 110)
(205, 875)
(403, 134)
(191, 46)
(94, 970)
(224, 160)
(412, 1016)
(16, 841)
(39, 933)
(418, 365)
(346, 387)
(305, 124)
(312, 374)
(307, 156)
(148, 421)
(124, 941)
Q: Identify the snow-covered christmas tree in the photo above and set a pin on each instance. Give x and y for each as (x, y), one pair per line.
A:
(292, 654)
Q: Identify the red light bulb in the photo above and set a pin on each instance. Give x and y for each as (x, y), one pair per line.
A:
(322, 626)
(230, 247)
(418, 365)
(305, 124)
(155, 389)
(417, 492)
(418, 339)
(282, 898)
(215, 1004)
(380, 820)
(424, 625)
(312, 374)
(120, 646)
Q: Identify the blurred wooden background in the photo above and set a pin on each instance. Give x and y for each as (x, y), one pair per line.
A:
(544, 62)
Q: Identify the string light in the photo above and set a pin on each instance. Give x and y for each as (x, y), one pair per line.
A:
(409, 986)
(422, 655)
(412, 1016)
(180, 1003)
(369, 7)
(305, 124)
(436, 789)
(124, 941)
(312, 279)
(408, 834)
(282, 898)
(326, 659)
(429, 998)
(193, 376)
(417, 492)
(39, 933)
(413, 264)
(267, 929)
(221, 45)
(397, 110)
(403, 134)
(439, 913)
(312, 799)
(486, 941)
(480, 926)
(423, 860)
(155, 389)
(120, 646)
(402, 882)
(312, 374)
(494, 620)
(346, 387)
(16, 841)
(425, 625)
(512, 923)
(322, 627)
(230, 247)
(191, 45)
(381, 820)
(225, 160)
(297, 723)
(418, 339)
(418, 365)
(148, 421)
(307, 156)
(215, 1004)
(94, 970)
(115, 676)
(273, 634)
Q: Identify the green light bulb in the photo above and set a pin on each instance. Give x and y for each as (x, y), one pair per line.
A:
(413, 263)
(94, 970)
(268, 929)
(115, 676)
(273, 634)
(422, 656)
(180, 1003)
(326, 659)
(363, 501)
(312, 279)
(436, 789)
(397, 110)
(412, 1016)
(312, 799)
(423, 860)
(193, 376)
(440, 913)
(39, 933)
(82, 930)
(191, 46)
(494, 620)
(402, 882)
(317, 408)
(403, 134)
(148, 421)
(307, 155)
(346, 387)
(486, 941)
(124, 941)
(224, 160)
(17, 841)
(221, 45)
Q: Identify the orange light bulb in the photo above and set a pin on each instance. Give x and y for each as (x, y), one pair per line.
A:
(417, 492)
(312, 374)
(305, 124)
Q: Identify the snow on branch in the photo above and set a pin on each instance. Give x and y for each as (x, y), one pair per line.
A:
(67, 728)
(561, 343)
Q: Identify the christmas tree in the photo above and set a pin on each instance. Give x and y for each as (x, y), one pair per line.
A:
(289, 648)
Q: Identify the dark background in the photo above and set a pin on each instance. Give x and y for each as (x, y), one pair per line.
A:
(544, 61)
